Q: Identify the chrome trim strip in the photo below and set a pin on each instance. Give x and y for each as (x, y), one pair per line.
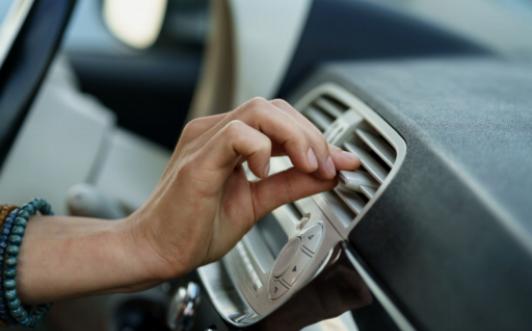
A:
(400, 320)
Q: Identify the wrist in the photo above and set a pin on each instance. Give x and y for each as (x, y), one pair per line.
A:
(147, 250)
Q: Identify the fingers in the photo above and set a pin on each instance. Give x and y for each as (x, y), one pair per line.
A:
(282, 129)
(344, 160)
(256, 127)
(285, 187)
(321, 149)
(235, 140)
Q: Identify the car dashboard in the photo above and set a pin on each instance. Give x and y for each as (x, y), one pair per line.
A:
(426, 220)
(290, 246)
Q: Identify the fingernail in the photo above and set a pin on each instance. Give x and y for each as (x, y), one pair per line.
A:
(312, 160)
(267, 170)
(350, 156)
(329, 168)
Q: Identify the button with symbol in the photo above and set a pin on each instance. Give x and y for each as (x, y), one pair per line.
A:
(277, 289)
(296, 268)
(311, 237)
(286, 256)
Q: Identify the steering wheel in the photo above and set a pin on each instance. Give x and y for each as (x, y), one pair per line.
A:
(29, 38)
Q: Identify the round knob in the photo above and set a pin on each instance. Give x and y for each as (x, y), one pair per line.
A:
(182, 308)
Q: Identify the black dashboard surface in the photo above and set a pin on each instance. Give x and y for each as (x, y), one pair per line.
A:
(450, 240)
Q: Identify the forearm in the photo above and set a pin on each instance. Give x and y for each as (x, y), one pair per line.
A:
(63, 257)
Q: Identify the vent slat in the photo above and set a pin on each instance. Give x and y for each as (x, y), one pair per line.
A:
(329, 107)
(354, 180)
(368, 191)
(318, 118)
(346, 123)
(352, 201)
(371, 165)
(294, 211)
(378, 145)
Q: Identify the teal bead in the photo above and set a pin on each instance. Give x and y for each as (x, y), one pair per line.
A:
(15, 239)
(10, 294)
(29, 208)
(21, 221)
(17, 312)
(12, 249)
(24, 214)
(10, 284)
(25, 321)
(10, 272)
(13, 304)
(11, 261)
(17, 229)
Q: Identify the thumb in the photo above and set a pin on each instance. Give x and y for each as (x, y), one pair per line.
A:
(285, 187)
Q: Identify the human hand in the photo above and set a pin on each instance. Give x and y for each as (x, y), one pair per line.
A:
(204, 203)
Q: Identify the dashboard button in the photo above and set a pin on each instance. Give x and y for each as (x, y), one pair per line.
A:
(311, 237)
(297, 267)
(286, 256)
(277, 289)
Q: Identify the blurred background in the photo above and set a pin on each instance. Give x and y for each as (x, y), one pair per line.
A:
(149, 64)
(130, 73)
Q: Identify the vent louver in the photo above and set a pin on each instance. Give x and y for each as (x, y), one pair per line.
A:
(364, 133)
(324, 110)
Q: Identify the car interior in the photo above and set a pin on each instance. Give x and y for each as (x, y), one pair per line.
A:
(434, 98)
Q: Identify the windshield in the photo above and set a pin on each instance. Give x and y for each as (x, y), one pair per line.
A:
(502, 25)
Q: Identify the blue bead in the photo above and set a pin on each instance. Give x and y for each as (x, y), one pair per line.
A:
(3, 244)
(5, 231)
(10, 284)
(11, 261)
(12, 249)
(24, 214)
(15, 239)
(10, 294)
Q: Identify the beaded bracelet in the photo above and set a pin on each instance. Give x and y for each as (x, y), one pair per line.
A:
(7, 216)
(17, 311)
(6, 230)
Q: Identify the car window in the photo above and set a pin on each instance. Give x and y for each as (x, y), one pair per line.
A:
(502, 25)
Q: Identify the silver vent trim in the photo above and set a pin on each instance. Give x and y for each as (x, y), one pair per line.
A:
(352, 125)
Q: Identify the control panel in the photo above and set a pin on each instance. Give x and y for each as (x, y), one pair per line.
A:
(290, 246)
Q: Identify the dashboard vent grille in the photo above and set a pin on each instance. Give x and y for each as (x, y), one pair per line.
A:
(362, 132)
(357, 188)
(324, 110)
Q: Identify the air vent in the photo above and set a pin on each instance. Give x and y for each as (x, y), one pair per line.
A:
(294, 212)
(358, 188)
(324, 110)
(362, 132)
